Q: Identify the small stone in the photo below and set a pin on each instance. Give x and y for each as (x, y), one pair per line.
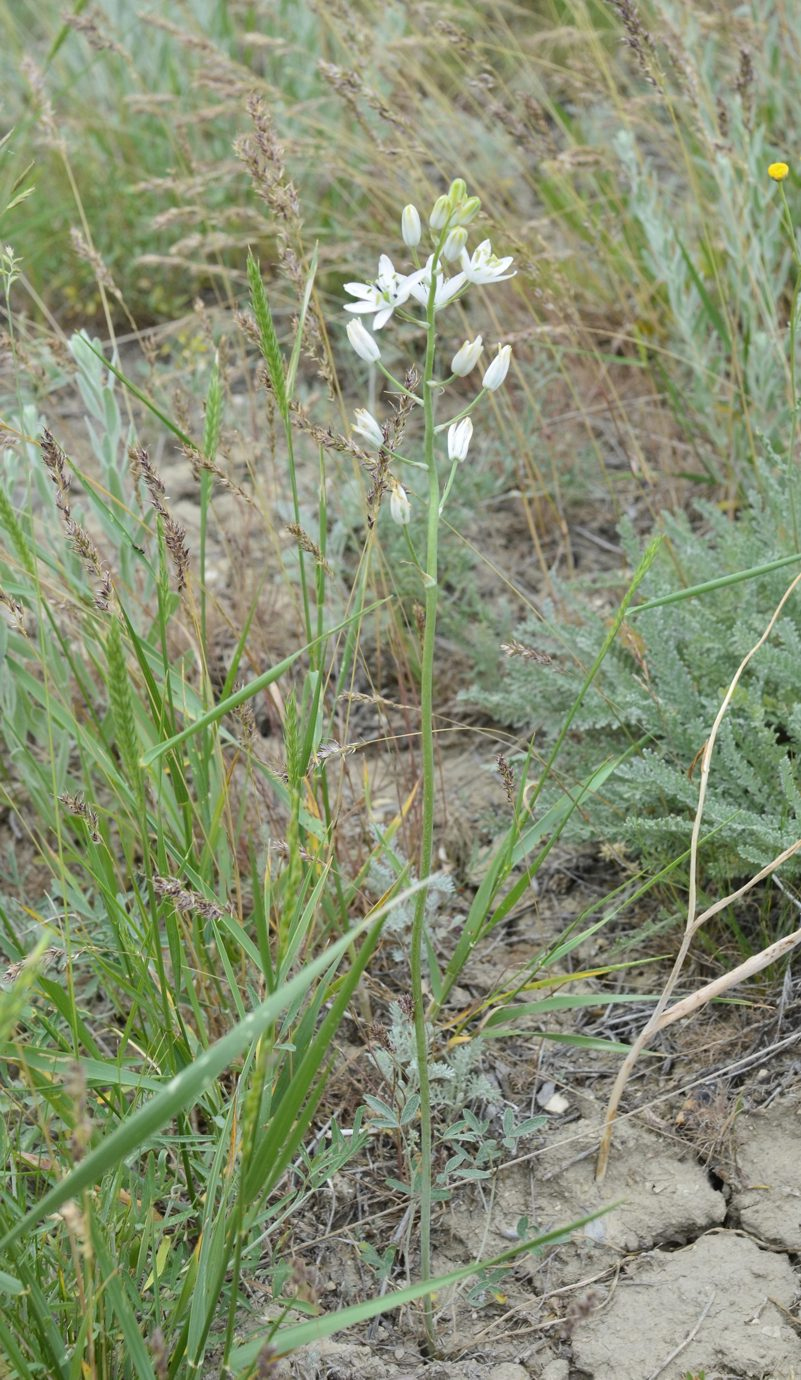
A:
(508, 1370)
(556, 1370)
(550, 1100)
(544, 1093)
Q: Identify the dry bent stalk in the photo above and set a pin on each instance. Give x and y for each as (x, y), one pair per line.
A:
(662, 1014)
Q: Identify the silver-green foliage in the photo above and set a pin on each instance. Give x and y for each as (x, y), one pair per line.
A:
(458, 1085)
(664, 681)
(456, 1075)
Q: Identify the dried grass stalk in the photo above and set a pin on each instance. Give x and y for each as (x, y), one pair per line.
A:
(663, 1015)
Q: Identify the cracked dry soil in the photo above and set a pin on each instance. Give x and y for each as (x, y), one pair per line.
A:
(687, 1275)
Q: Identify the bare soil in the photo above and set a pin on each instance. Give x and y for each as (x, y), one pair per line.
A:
(686, 1275)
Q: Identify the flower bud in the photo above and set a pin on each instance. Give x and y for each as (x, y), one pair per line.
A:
(778, 171)
(362, 342)
(468, 211)
(411, 229)
(399, 506)
(455, 243)
(459, 439)
(368, 427)
(467, 356)
(457, 192)
(498, 369)
(440, 213)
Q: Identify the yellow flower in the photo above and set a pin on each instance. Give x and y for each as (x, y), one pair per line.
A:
(778, 171)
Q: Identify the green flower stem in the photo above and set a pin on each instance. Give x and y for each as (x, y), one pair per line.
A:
(403, 459)
(427, 838)
(396, 383)
(304, 591)
(465, 412)
(412, 553)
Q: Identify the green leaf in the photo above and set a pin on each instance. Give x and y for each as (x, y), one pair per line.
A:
(181, 1092)
(722, 582)
(116, 1287)
(96, 1073)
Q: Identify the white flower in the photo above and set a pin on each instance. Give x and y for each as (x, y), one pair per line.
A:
(484, 266)
(455, 243)
(399, 506)
(467, 356)
(390, 290)
(459, 439)
(367, 426)
(362, 342)
(446, 289)
(498, 369)
(411, 229)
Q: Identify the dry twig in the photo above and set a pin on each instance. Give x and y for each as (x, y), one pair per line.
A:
(660, 1370)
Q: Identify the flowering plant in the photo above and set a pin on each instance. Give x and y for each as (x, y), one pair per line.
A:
(427, 285)
(430, 286)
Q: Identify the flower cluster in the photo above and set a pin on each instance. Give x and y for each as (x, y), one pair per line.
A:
(430, 287)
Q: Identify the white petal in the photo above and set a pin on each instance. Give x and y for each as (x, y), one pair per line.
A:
(446, 291)
(459, 436)
(360, 289)
(362, 342)
(498, 369)
(399, 506)
(367, 426)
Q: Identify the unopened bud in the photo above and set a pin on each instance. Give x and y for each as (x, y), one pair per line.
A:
(468, 211)
(399, 506)
(440, 213)
(362, 342)
(455, 243)
(459, 436)
(498, 369)
(467, 356)
(368, 427)
(457, 192)
(411, 229)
